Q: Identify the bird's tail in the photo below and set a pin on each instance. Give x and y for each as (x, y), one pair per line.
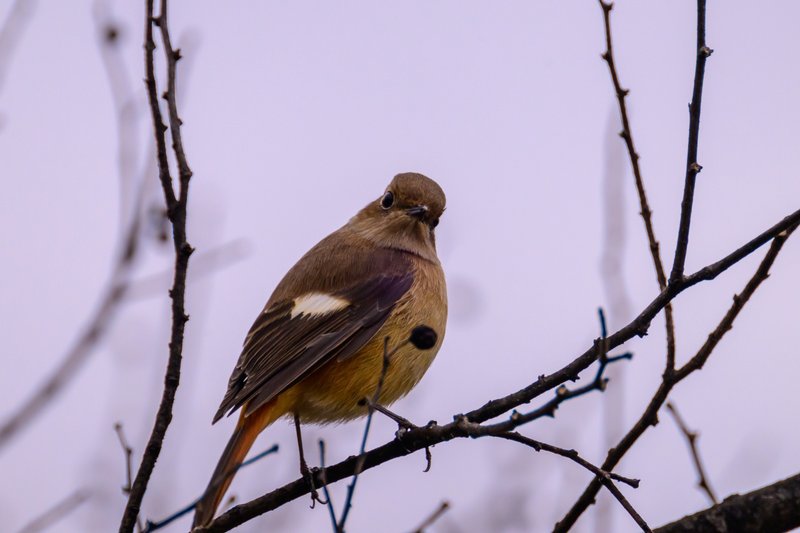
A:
(239, 444)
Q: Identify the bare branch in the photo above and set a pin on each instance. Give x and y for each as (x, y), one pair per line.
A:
(770, 509)
(691, 440)
(606, 477)
(421, 437)
(627, 136)
(176, 209)
(173, 56)
(650, 415)
(638, 326)
(572, 455)
(692, 167)
(128, 452)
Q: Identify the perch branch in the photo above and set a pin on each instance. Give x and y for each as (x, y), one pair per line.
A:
(419, 438)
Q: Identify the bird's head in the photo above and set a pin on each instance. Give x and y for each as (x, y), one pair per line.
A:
(404, 216)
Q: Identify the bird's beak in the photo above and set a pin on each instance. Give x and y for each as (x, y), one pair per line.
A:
(418, 211)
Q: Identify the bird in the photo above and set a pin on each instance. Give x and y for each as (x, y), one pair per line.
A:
(316, 351)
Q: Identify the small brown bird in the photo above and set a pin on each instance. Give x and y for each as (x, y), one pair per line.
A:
(317, 348)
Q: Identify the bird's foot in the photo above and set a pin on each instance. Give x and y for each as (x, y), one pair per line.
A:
(309, 474)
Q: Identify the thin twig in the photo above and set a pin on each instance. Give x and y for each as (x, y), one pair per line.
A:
(572, 455)
(325, 491)
(692, 167)
(128, 453)
(564, 393)
(650, 415)
(627, 136)
(419, 438)
(176, 210)
(607, 478)
(691, 440)
(57, 512)
(434, 516)
(170, 95)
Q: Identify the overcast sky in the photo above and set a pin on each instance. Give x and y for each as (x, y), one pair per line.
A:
(296, 114)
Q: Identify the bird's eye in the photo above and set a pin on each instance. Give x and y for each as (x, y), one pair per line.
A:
(434, 223)
(388, 200)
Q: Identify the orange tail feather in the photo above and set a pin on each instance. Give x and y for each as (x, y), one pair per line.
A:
(239, 444)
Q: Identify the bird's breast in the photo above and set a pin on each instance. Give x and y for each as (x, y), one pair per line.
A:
(333, 393)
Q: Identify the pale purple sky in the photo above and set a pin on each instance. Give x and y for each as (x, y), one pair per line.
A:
(296, 114)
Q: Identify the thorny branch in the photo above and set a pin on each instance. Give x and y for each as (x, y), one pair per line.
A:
(176, 210)
(691, 440)
(416, 439)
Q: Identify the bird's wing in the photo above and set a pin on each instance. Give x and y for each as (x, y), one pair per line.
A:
(292, 338)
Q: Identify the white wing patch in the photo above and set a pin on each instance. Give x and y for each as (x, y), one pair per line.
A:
(316, 303)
